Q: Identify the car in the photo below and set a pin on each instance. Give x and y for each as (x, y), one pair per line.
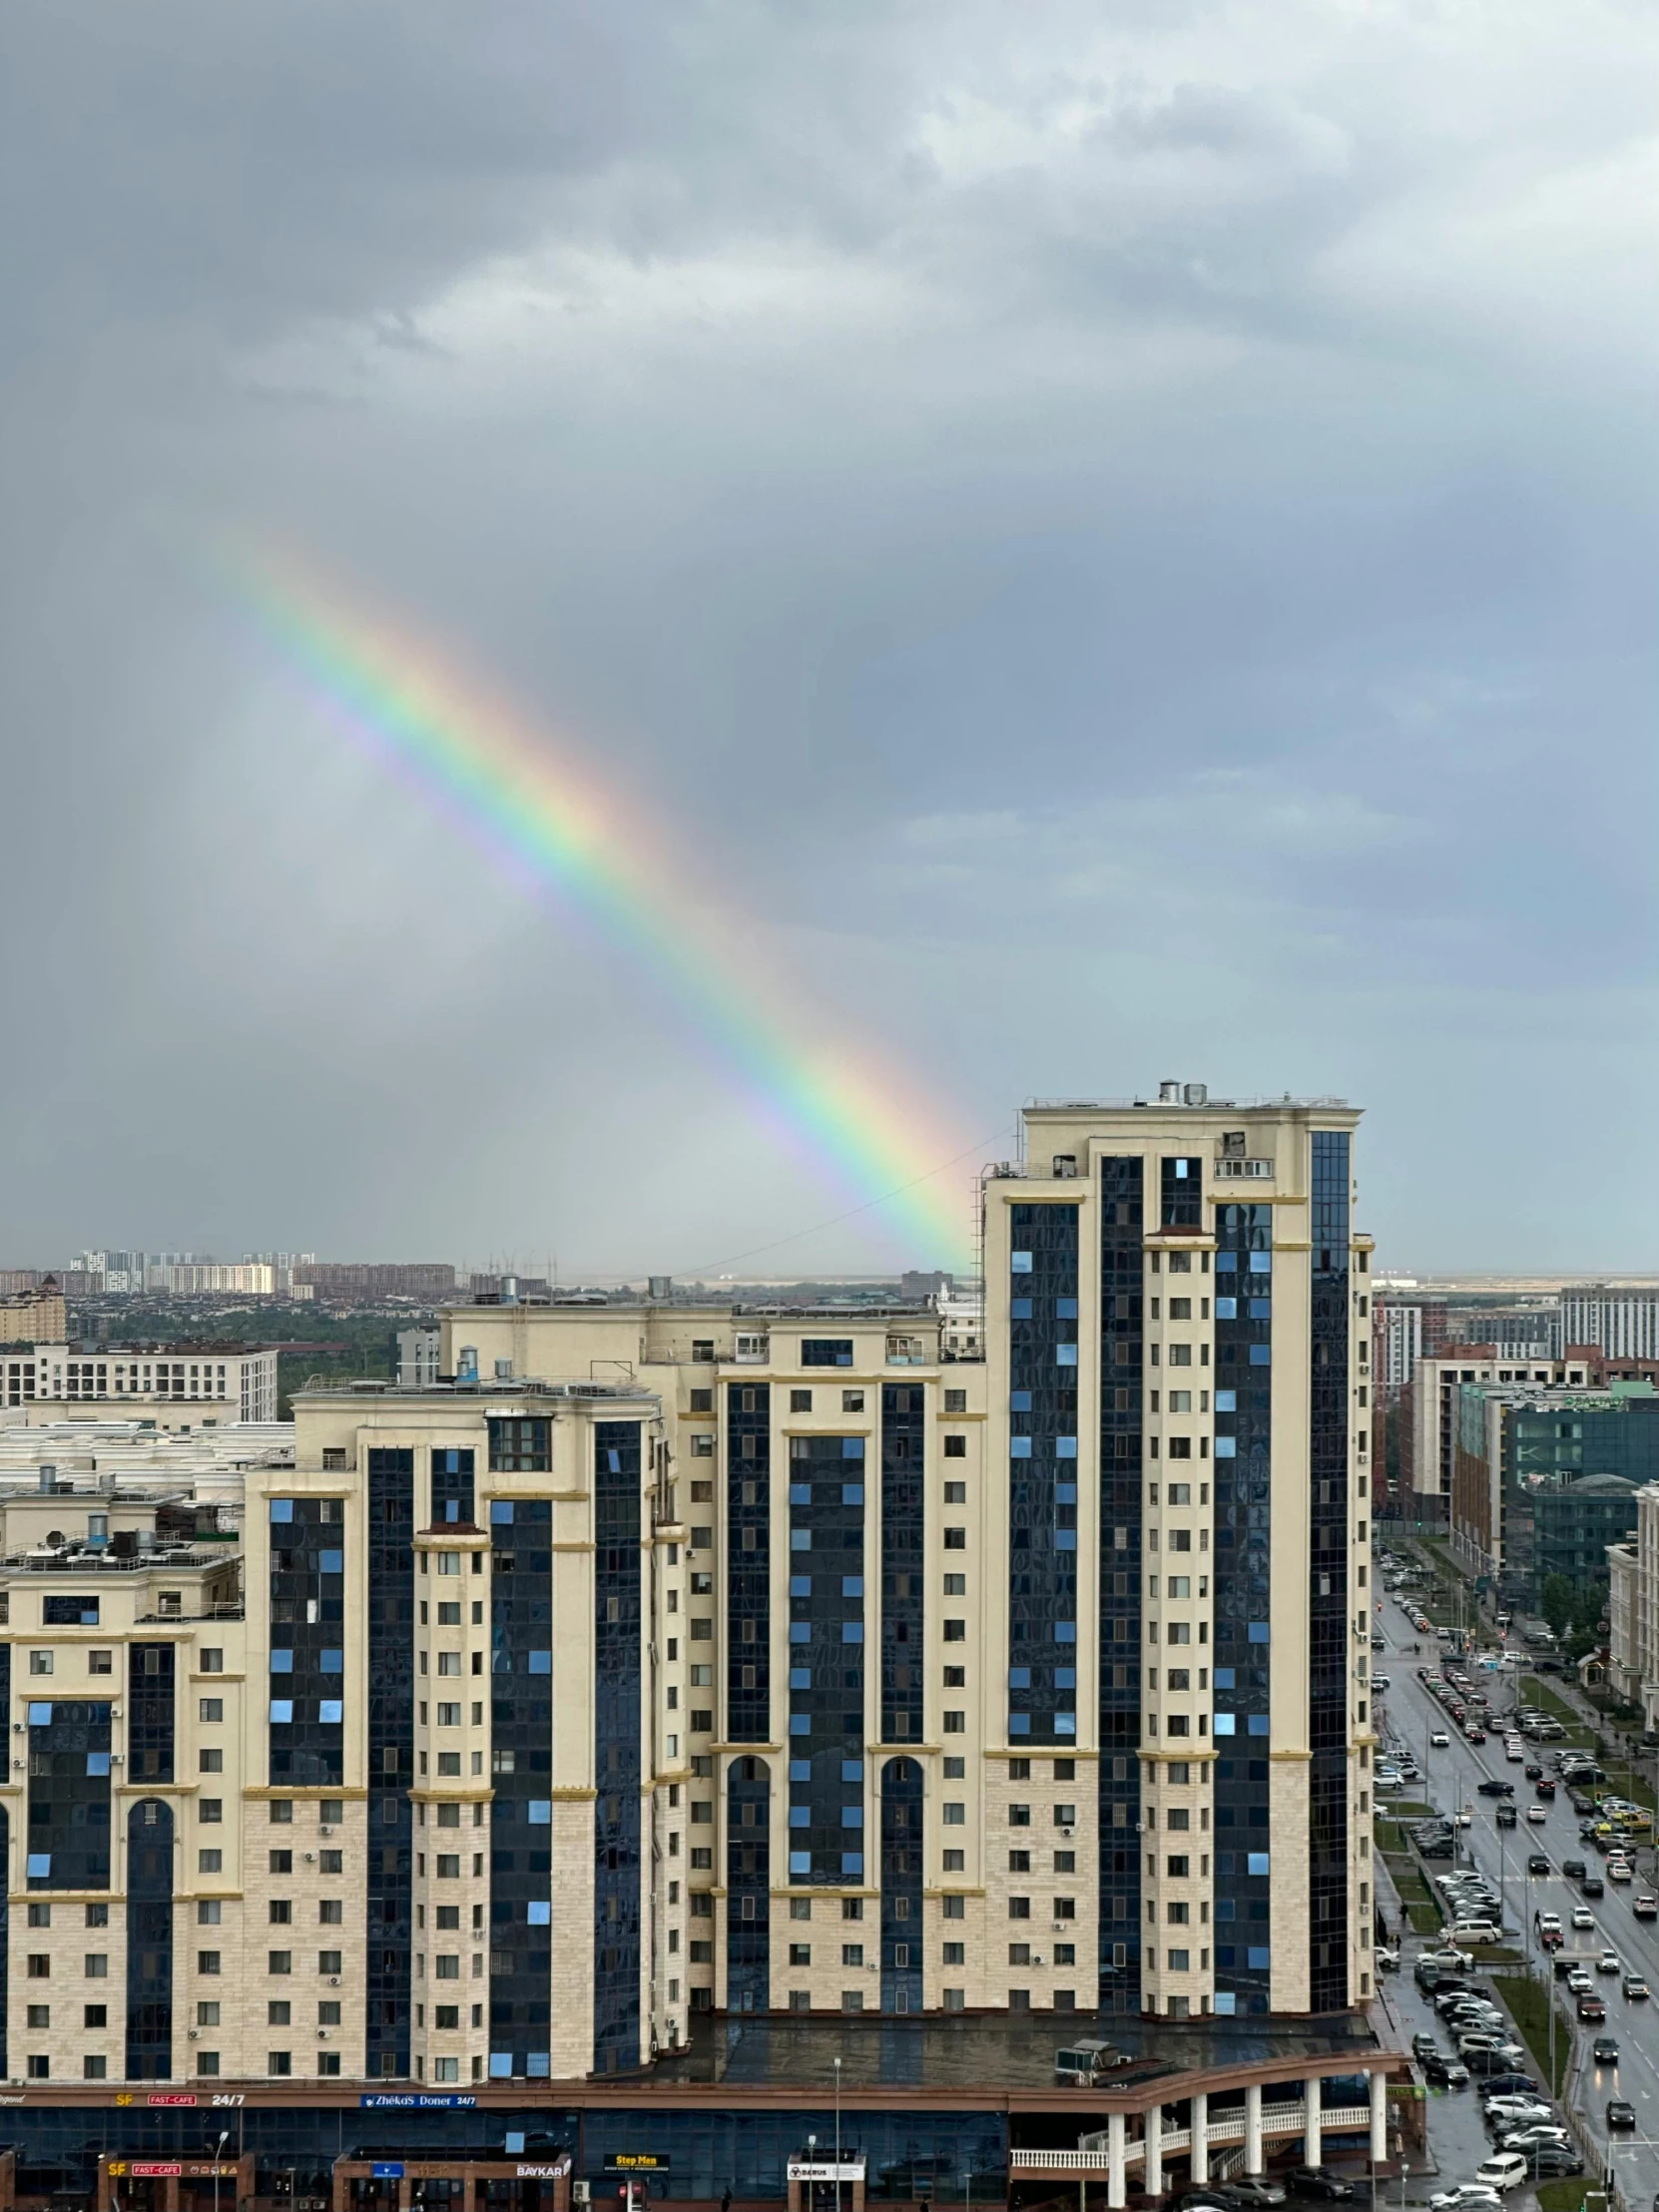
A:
(1620, 2113)
(1592, 1886)
(1438, 1740)
(1477, 1932)
(1381, 1681)
(1445, 2073)
(1475, 1732)
(1573, 1869)
(1582, 1916)
(1249, 2189)
(1424, 2047)
(1516, 2106)
(1317, 2181)
(1492, 2066)
(1507, 1815)
(1608, 1962)
(1512, 2085)
(1536, 1863)
(1542, 1920)
(1579, 1980)
(1605, 2051)
(1591, 2009)
(1634, 1986)
(1462, 1818)
(1533, 1772)
(1388, 1958)
(1545, 1788)
(1539, 2131)
(1466, 2192)
(1537, 1813)
(1446, 1955)
(1645, 1906)
(1618, 1870)
(1555, 2161)
(1517, 2122)
(1494, 1789)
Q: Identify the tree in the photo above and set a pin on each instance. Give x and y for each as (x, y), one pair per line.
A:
(1557, 1601)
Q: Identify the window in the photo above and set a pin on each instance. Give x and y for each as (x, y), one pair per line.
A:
(852, 1955)
(801, 1401)
(852, 1401)
(207, 2014)
(210, 1761)
(331, 1911)
(100, 1662)
(281, 1910)
(209, 1709)
(40, 1662)
(279, 1962)
(955, 1447)
(279, 2062)
(826, 1352)
(208, 1912)
(1020, 1909)
(207, 1961)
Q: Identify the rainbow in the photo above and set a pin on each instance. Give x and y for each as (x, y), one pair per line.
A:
(542, 815)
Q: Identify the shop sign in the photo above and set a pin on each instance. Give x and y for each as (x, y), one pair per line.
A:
(386, 2169)
(391, 2104)
(817, 2170)
(638, 2162)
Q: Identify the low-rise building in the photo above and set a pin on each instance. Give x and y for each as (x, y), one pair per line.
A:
(183, 1382)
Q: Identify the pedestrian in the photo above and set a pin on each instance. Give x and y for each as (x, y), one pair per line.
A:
(726, 2198)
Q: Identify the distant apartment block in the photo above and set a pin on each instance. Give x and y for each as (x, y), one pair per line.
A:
(369, 1281)
(34, 1315)
(212, 1381)
(1434, 1389)
(1624, 1323)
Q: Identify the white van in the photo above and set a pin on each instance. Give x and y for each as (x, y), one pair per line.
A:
(1505, 2169)
(1474, 1931)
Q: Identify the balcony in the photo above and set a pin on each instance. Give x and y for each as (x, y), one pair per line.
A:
(1236, 1171)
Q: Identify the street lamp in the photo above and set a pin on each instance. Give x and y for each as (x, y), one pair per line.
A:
(837, 2066)
(219, 2154)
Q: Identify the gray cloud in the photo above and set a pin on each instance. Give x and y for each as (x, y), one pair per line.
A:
(1121, 537)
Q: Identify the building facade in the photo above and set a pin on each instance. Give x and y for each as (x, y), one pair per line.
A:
(181, 1382)
(1435, 1408)
(1622, 1321)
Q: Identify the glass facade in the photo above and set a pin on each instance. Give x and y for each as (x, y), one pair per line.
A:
(901, 1801)
(1122, 1397)
(150, 1940)
(617, 1725)
(827, 1659)
(452, 1481)
(1042, 1476)
(1242, 1598)
(903, 1520)
(307, 1638)
(389, 1837)
(1331, 1505)
(748, 1885)
(149, 1721)
(69, 1795)
(521, 1757)
(749, 1564)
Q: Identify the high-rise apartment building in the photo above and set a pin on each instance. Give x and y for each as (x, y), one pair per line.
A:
(655, 1660)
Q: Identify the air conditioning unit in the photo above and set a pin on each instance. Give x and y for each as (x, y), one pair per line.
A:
(1067, 1832)
(324, 1830)
(333, 1981)
(193, 2032)
(323, 2034)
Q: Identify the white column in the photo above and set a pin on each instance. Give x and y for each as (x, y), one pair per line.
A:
(1152, 2180)
(1115, 2193)
(1312, 2146)
(1378, 2117)
(1201, 2136)
(1252, 2129)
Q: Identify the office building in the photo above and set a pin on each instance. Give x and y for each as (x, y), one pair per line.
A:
(368, 1281)
(1633, 1609)
(1542, 1479)
(1435, 1410)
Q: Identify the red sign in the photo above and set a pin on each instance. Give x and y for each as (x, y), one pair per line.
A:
(170, 2096)
(153, 2168)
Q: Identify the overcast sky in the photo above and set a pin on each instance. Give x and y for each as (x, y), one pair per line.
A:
(1120, 535)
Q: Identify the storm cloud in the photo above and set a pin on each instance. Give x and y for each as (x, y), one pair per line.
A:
(1119, 536)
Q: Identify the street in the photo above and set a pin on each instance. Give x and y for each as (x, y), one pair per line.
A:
(1407, 1715)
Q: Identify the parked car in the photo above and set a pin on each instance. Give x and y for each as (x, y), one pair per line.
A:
(1319, 2181)
(1445, 2073)
(1505, 2169)
(1552, 2161)
(1250, 2190)
(1464, 2193)
(1447, 1954)
(1513, 2084)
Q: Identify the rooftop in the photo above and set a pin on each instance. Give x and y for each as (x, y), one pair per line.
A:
(997, 2053)
(493, 1389)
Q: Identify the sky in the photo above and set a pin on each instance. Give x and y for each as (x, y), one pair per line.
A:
(1087, 542)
